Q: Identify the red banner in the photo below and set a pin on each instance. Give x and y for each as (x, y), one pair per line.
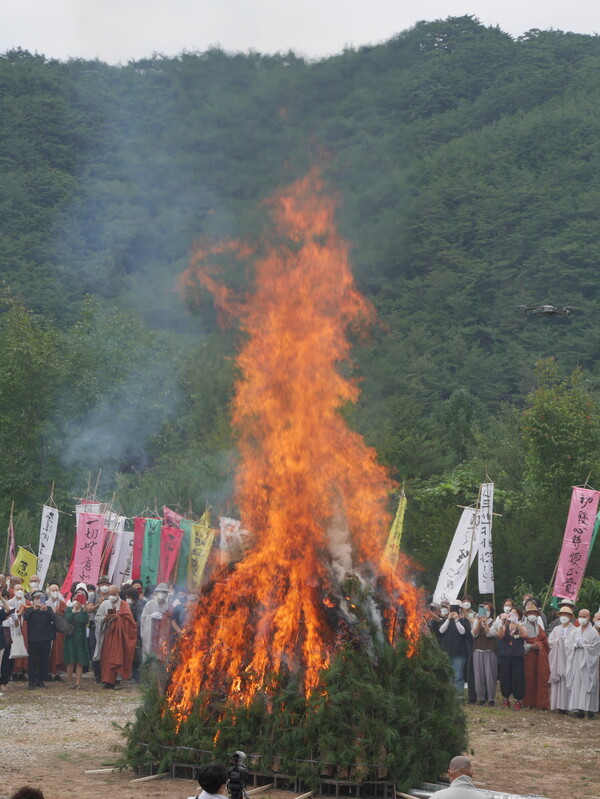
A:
(170, 541)
(171, 518)
(87, 552)
(576, 542)
(139, 527)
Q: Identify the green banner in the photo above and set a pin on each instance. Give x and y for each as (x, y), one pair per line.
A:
(151, 551)
(184, 552)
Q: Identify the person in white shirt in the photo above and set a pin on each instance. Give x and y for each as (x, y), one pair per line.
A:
(212, 778)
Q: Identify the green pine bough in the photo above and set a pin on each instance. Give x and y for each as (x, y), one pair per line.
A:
(383, 716)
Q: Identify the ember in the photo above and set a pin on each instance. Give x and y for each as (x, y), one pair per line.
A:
(308, 487)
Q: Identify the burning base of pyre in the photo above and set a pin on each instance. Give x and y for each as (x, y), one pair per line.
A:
(308, 651)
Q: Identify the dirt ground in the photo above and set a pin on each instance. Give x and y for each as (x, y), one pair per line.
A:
(50, 738)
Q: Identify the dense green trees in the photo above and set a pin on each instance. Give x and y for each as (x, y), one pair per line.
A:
(466, 165)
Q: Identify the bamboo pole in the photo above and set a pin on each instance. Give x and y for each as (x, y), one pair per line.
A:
(10, 524)
(253, 791)
(139, 780)
(551, 584)
(477, 508)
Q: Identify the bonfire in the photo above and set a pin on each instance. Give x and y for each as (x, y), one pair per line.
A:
(315, 624)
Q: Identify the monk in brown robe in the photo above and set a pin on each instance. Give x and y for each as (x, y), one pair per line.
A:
(537, 665)
(116, 633)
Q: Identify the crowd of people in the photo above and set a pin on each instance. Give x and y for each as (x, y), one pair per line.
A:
(540, 662)
(109, 629)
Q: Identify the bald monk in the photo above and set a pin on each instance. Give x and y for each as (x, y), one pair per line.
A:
(116, 634)
(460, 772)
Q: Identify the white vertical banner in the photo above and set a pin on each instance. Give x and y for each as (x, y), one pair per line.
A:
(460, 556)
(484, 539)
(119, 570)
(47, 538)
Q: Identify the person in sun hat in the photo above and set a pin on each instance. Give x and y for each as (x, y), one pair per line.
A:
(537, 667)
(95, 599)
(556, 623)
(41, 633)
(559, 692)
(156, 631)
(116, 639)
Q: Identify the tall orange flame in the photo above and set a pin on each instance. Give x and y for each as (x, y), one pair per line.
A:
(308, 487)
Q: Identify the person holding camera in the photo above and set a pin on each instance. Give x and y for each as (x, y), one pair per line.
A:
(511, 653)
(455, 636)
(41, 632)
(485, 664)
(212, 778)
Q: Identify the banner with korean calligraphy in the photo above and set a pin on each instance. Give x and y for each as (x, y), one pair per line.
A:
(576, 543)
(12, 549)
(201, 542)
(151, 552)
(460, 556)
(48, 529)
(88, 548)
(184, 552)
(484, 539)
(170, 541)
(119, 569)
(24, 565)
(392, 547)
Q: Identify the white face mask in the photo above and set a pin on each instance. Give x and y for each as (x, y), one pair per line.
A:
(466, 605)
(161, 597)
(54, 594)
(112, 598)
(564, 619)
(532, 618)
(104, 589)
(129, 601)
(507, 608)
(471, 614)
(33, 585)
(597, 623)
(444, 611)
(583, 620)
(19, 594)
(514, 618)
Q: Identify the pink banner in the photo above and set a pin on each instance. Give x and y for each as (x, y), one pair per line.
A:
(576, 543)
(88, 548)
(139, 527)
(171, 518)
(170, 541)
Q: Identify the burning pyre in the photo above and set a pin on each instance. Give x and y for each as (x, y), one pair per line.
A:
(308, 487)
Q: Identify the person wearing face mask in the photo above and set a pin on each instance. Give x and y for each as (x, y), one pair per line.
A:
(133, 599)
(41, 633)
(156, 624)
(583, 653)
(34, 584)
(485, 663)
(95, 599)
(5, 640)
(454, 632)
(511, 668)
(116, 635)
(19, 666)
(537, 666)
(76, 655)
(559, 693)
(58, 605)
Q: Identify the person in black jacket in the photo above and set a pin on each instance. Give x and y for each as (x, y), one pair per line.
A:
(41, 632)
(455, 636)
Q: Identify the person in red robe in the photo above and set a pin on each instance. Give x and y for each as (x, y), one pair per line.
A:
(116, 633)
(537, 664)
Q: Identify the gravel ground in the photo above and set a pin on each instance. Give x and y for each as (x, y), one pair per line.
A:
(49, 739)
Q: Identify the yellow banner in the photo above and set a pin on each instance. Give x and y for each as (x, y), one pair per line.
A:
(392, 547)
(201, 541)
(24, 565)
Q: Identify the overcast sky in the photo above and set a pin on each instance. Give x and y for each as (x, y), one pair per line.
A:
(120, 30)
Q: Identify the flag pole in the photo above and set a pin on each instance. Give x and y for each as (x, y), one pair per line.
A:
(477, 508)
(12, 507)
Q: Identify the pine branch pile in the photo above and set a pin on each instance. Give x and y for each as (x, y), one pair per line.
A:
(385, 717)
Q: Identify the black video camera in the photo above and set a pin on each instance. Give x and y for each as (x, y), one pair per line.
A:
(236, 776)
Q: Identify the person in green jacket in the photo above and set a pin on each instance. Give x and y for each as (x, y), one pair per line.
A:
(76, 653)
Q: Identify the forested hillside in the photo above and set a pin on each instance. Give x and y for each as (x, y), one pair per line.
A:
(467, 168)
